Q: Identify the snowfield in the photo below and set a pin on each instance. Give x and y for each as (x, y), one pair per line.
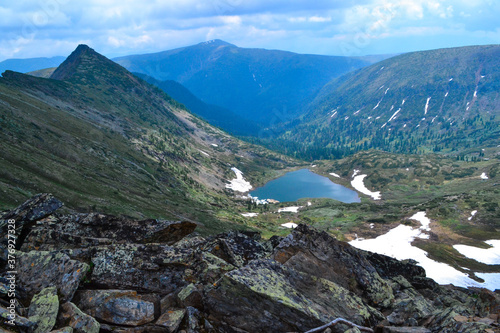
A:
(359, 185)
(239, 184)
(289, 225)
(489, 256)
(397, 244)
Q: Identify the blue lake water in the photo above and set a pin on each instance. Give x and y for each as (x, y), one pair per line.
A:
(304, 184)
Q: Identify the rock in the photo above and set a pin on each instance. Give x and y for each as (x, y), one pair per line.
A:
(146, 268)
(43, 309)
(410, 308)
(25, 216)
(21, 322)
(210, 268)
(119, 307)
(265, 294)
(171, 320)
(38, 270)
(71, 315)
(168, 302)
(84, 230)
(236, 248)
(190, 296)
(321, 255)
(67, 329)
(391, 329)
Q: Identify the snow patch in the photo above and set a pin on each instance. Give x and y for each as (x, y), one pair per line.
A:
(404, 125)
(250, 214)
(356, 112)
(309, 203)
(359, 185)
(214, 145)
(446, 95)
(394, 115)
(450, 80)
(403, 103)
(427, 105)
(474, 212)
(386, 91)
(291, 209)
(334, 174)
(239, 184)
(423, 219)
(376, 106)
(201, 151)
(290, 225)
(484, 176)
(333, 114)
(489, 256)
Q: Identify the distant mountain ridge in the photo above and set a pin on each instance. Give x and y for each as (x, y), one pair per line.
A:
(440, 100)
(213, 114)
(29, 65)
(262, 85)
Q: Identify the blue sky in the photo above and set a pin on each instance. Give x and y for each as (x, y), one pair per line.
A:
(32, 28)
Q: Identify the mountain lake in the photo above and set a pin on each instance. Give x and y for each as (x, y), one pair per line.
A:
(304, 184)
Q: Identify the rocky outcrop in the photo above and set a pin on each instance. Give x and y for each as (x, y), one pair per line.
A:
(100, 273)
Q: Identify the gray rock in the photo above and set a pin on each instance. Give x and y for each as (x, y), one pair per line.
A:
(43, 309)
(119, 307)
(265, 294)
(38, 270)
(67, 329)
(190, 296)
(392, 329)
(171, 320)
(71, 315)
(321, 255)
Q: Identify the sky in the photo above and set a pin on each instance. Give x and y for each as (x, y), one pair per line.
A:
(45, 28)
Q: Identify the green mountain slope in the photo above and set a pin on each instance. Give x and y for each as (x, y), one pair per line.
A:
(442, 100)
(215, 115)
(267, 86)
(108, 141)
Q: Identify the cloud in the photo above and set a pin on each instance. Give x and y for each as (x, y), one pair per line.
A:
(119, 27)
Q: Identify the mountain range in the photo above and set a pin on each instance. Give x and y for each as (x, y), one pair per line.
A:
(266, 86)
(442, 100)
(30, 64)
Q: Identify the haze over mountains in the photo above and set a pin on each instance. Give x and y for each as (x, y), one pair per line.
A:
(262, 85)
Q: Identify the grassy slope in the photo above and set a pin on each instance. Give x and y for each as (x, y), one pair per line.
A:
(113, 143)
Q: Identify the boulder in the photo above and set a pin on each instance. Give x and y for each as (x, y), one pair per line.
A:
(40, 269)
(118, 307)
(190, 296)
(20, 322)
(236, 248)
(321, 255)
(84, 230)
(43, 309)
(265, 294)
(71, 315)
(24, 217)
(392, 329)
(146, 268)
(171, 320)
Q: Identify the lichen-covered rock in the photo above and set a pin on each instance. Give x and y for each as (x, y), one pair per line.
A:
(25, 216)
(265, 294)
(71, 315)
(20, 321)
(410, 307)
(67, 329)
(83, 230)
(190, 296)
(321, 255)
(392, 329)
(147, 268)
(210, 268)
(40, 269)
(236, 248)
(43, 309)
(119, 307)
(171, 320)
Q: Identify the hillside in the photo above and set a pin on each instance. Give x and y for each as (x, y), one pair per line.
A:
(213, 114)
(442, 100)
(266, 86)
(108, 141)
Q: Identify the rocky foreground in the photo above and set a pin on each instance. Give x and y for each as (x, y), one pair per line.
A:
(100, 273)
